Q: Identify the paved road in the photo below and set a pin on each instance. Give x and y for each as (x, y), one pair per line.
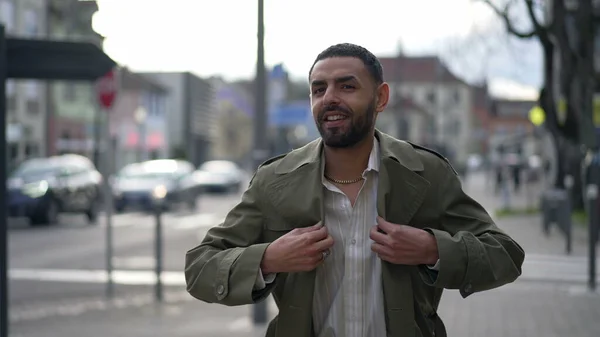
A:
(57, 284)
(66, 262)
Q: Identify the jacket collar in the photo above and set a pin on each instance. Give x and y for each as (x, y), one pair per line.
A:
(310, 154)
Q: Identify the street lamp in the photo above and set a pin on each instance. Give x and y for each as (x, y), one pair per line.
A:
(140, 119)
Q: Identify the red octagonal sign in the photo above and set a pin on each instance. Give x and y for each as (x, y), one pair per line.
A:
(106, 89)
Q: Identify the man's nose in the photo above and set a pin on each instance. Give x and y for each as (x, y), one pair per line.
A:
(330, 97)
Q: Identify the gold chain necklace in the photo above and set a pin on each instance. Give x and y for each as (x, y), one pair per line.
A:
(343, 182)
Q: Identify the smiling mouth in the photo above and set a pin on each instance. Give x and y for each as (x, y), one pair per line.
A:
(334, 118)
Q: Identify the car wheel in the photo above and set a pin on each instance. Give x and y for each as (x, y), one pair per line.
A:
(92, 213)
(48, 216)
(119, 209)
(192, 202)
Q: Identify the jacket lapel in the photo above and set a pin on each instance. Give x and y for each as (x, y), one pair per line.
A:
(400, 193)
(297, 194)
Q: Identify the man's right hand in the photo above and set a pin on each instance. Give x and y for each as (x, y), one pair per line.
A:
(299, 250)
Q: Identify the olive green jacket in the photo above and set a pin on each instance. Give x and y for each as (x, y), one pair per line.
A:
(416, 187)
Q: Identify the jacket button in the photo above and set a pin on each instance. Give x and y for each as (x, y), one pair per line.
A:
(220, 289)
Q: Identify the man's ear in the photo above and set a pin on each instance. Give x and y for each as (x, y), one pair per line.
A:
(383, 97)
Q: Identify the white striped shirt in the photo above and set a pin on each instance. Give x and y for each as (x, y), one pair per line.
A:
(348, 298)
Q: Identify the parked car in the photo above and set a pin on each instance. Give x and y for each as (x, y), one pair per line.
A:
(219, 176)
(41, 188)
(139, 185)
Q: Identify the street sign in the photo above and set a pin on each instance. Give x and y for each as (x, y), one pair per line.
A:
(537, 116)
(291, 114)
(44, 60)
(106, 89)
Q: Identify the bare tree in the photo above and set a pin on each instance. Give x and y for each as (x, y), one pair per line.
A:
(565, 32)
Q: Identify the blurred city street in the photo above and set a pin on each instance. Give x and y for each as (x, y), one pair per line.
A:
(150, 120)
(55, 293)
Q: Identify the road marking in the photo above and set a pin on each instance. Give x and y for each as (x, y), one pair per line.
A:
(536, 268)
(134, 262)
(176, 222)
(125, 277)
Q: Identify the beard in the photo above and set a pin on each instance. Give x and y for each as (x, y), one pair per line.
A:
(343, 137)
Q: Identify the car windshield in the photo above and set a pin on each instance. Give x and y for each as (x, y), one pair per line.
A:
(223, 167)
(148, 171)
(36, 169)
(144, 175)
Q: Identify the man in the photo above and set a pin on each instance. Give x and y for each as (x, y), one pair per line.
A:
(354, 234)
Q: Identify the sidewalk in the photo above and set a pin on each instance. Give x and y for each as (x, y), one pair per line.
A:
(526, 229)
(521, 309)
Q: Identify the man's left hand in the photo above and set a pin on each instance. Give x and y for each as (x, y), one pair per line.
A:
(401, 244)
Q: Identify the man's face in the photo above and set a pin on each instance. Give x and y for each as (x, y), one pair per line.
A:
(345, 100)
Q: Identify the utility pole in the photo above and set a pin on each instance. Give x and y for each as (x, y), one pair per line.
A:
(260, 153)
(586, 85)
(3, 165)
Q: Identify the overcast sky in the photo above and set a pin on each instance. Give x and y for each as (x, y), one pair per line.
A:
(211, 37)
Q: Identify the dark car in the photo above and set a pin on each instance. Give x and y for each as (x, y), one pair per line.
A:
(138, 186)
(41, 188)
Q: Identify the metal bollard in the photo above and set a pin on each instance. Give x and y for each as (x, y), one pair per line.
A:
(159, 194)
(592, 196)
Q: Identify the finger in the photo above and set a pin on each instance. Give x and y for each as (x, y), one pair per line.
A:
(308, 229)
(381, 250)
(378, 237)
(387, 226)
(324, 244)
(316, 235)
(384, 225)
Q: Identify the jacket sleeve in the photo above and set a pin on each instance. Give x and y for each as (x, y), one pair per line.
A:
(224, 267)
(475, 255)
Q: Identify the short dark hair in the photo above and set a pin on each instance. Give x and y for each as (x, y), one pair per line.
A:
(351, 50)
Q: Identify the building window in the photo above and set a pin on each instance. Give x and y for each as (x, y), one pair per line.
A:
(69, 92)
(7, 14)
(32, 95)
(431, 97)
(31, 150)
(31, 19)
(13, 150)
(11, 96)
(456, 127)
(456, 96)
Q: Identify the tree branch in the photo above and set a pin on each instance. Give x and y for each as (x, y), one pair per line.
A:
(503, 14)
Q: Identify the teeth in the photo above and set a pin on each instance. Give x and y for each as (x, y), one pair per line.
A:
(335, 117)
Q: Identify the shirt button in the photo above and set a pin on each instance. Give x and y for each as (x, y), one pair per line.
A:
(353, 241)
(220, 289)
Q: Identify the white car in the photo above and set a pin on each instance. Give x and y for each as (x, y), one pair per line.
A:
(219, 176)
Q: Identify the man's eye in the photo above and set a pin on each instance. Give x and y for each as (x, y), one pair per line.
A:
(318, 90)
(347, 86)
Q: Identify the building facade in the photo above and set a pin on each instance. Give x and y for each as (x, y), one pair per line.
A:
(431, 86)
(138, 120)
(404, 119)
(232, 137)
(25, 99)
(191, 114)
(72, 109)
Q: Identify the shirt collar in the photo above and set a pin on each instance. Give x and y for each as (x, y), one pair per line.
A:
(372, 165)
(374, 157)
